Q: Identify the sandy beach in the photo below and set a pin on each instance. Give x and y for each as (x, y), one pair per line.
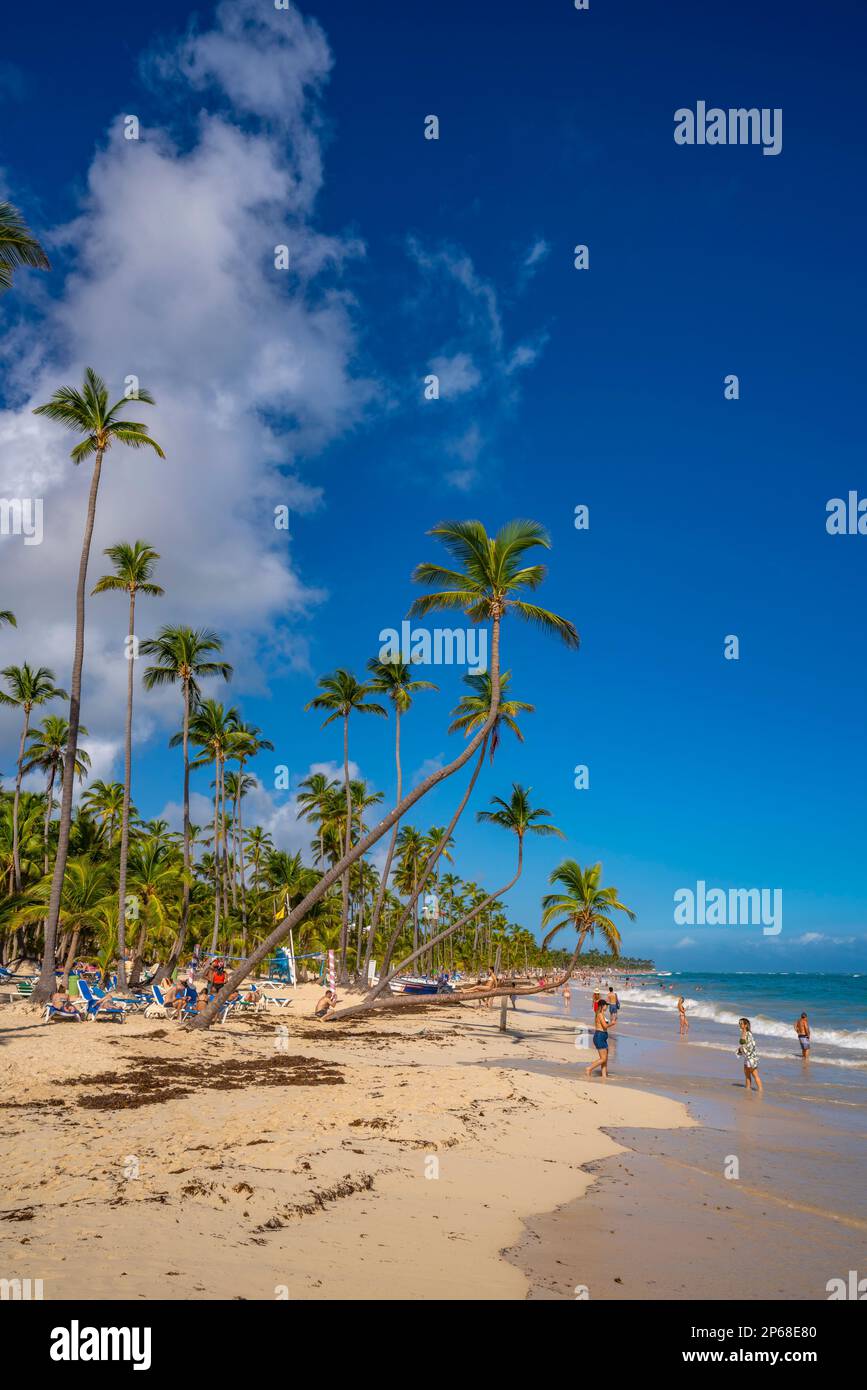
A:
(390, 1158)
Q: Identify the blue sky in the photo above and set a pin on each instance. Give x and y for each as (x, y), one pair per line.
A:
(602, 387)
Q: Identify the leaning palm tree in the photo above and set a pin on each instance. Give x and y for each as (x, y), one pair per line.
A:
(46, 751)
(184, 657)
(25, 688)
(394, 679)
(341, 695)
(516, 815)
(88, 413)
(18, 246)
(584, 905)
(488, 583)
(133, 567)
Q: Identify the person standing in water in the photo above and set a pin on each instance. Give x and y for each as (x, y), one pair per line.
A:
(600, 1040)
(747, 1050)
(684, 1021)
(613, 1002)
(802, 1028)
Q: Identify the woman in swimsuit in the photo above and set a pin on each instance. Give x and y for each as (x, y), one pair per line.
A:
(747, 1050)
(600, 1041)
(684, 1021)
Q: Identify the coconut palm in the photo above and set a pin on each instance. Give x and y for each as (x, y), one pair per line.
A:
(210, 729)
(104, 801)
(184, 657)
(472, 710)
(394, 679)
(312, 802)
(516, 815)
(245, 742)
(18, 246)
(88, 413)
(341, 695)
(46, 751)
(133, 567)
(488, 583)
(584, 905)
(87, 891)
(25, 689)
(7, 616)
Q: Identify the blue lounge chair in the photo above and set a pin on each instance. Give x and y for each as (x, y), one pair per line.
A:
(92, 1004)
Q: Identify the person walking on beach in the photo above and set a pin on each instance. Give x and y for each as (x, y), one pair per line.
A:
(613, 1002)
(802, 1028)
(601, 1025)
(747, 1050)
(684, 1021)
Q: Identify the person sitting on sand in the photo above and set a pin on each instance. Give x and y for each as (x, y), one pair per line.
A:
(684, 1021)
(747, 1050)
(62, 1004)
(326, 1005)
(802, 1028)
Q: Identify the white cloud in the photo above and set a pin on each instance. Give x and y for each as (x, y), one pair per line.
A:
(457, 374)
(174, 281)
(684, 942)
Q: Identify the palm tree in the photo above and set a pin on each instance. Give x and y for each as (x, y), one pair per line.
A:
(46, 751)
(7, 616)
(88, 413)
(133, 567)
(488, 586)
(87, 892)
(515, 815)
(210, 729)
(312, 802)
(25, 688)
(245, 742)
(18, 246)
(584, 905)
(342, 695)
(394, 679)
(184, 657)
(472, 710)
(104, 801)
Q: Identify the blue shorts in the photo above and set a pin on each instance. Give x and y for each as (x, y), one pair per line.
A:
(600, 1040)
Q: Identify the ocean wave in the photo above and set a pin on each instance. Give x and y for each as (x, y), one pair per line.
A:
(762, 1027)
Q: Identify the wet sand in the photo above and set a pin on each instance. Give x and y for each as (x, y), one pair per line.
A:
(665, 1222)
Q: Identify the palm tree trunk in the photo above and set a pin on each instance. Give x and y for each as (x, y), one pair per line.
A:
(383, 884)
(216, 858)
(384, 981)
(344, 919)
(124, 824)
(45, 984)
(16, 855)
(318, 891)
(447, 834)
(73, 947)
(165, 971)
(46, 825)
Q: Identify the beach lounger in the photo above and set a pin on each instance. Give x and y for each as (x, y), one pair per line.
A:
(50, 1014)
(133, 1001)
(92, 1005)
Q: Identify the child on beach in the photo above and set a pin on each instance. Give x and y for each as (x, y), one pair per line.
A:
(747, 1050)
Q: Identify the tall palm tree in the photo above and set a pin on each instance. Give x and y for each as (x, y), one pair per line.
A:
(312, 803)
(88, 413)
(394, 679)
(516, 815)
(87, 892)
(245, 742)
(210, 729)
(46, 751)
(184, 657)
(584, 905)
(18, 246)
(25, 688)
(341, 694)
(488, 584)
(104, 801)
(472, 710)
(133, 567)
